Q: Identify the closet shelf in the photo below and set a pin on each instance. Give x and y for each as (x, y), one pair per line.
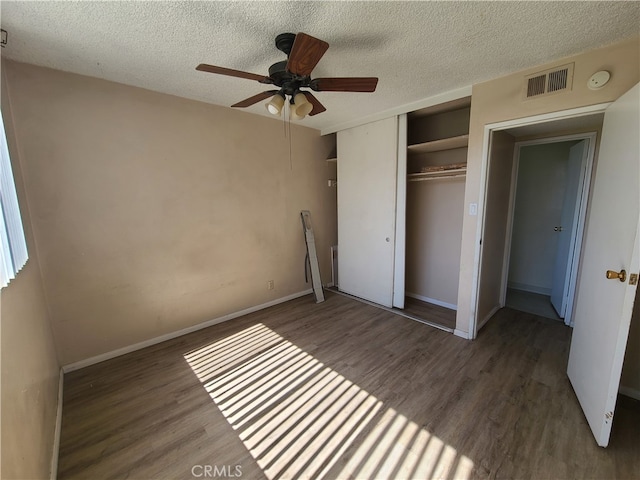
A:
(438, 145)
(419, 177)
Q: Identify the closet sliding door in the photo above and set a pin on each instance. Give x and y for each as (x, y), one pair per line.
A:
(367, 190)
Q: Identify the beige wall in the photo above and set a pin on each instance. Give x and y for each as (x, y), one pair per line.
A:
(631, 368)
(434, 228)
(500, 100)
(155, 213)
(497, 211)
(30, 369)
(428, 127)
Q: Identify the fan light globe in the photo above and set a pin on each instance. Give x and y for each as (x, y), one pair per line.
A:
(302, 107)
(275, 105)
(294, 116)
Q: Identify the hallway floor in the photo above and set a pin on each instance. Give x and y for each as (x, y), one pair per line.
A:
(531, 303)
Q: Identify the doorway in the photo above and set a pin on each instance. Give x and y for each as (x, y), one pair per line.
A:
(604, 302)
(548, 188)
(497, 178)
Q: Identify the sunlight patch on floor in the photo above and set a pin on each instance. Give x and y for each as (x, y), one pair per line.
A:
(300, 419)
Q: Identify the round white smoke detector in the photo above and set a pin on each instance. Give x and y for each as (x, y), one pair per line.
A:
(598, 80)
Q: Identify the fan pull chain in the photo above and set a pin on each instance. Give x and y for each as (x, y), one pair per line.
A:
(290, 155)
(286, 122)
(284, 118)
(289, 122)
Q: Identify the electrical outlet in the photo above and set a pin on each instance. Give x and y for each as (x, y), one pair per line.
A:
(270, 285)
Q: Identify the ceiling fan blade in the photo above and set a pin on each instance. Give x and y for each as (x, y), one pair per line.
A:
(305, 54)
(317, 106)
(203, 67)
(247, 102)
(345, 84)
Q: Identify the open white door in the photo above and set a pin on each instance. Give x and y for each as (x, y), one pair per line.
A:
(568, 227)
(367, 181)
(604, 306)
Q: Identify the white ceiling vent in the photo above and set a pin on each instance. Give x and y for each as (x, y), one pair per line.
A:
(554, 80)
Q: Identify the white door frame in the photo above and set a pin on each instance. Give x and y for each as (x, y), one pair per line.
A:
(401, 216)
(482, 196)
(581, 208)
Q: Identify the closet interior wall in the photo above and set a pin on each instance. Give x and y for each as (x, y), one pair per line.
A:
(436, 164)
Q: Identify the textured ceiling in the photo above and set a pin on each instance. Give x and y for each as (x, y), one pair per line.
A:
(417, 49)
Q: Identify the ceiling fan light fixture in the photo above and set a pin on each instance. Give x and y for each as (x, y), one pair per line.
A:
(289, 76)
(274, 106)
(293, 115)
(301, 106)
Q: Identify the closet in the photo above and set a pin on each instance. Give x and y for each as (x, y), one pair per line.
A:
(437, 139)
(401, 185)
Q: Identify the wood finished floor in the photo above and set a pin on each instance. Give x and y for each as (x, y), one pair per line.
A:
(341, 390)
(531, 303)
(428, 311)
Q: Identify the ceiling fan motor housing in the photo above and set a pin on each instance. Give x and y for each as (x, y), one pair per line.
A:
(284, 42)
(289, 82)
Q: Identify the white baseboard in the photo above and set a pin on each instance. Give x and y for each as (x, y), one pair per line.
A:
(488, 316)
(529, 288)
(58, 429)
(461, 334)
(169, 336)
(450, 306)
(630, 392)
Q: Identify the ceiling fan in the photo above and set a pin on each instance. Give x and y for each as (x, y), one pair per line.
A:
(292, 75)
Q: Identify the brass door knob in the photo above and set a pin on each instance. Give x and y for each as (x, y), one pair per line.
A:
(621, 275)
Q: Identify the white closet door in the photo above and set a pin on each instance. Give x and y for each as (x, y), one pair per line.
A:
(367, 180)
